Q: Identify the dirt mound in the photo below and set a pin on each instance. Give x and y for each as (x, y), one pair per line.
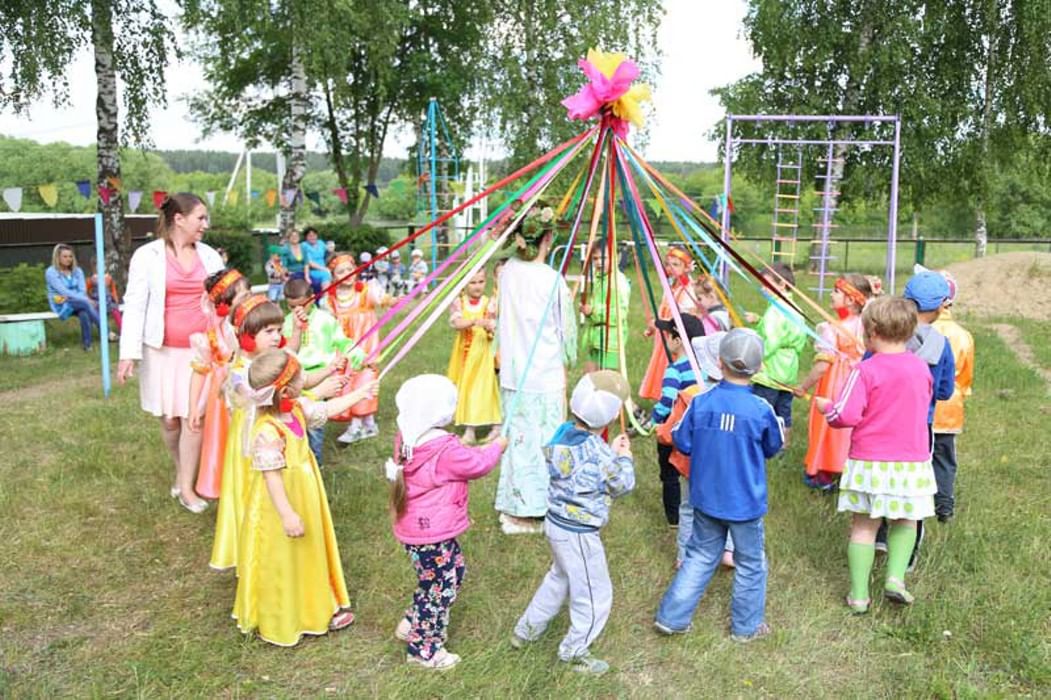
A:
(1010, 284)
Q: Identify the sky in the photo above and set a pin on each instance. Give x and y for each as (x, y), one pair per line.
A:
(683, 111)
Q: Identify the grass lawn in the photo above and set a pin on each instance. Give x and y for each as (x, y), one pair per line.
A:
(105, 589)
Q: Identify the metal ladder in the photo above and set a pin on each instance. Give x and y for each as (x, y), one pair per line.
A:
(785, 223)
(829, 194)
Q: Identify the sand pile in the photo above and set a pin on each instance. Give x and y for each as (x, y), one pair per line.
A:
(1009, 284)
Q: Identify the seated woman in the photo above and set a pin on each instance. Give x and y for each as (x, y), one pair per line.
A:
(67, 294)
(316, 255)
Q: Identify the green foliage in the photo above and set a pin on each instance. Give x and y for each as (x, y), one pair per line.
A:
(354, 239)
(398, 200)
(241, 248)
(22, 289)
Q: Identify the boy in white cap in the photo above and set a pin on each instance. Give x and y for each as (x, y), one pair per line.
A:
(417, 268)
(397, 275)
(382, 267)
(729, 434)
(586, 474)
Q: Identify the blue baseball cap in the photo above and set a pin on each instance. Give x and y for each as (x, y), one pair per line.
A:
(928, 290)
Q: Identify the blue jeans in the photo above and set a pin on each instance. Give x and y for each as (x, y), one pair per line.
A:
(88, 315)
(316, 438)
(705, 549)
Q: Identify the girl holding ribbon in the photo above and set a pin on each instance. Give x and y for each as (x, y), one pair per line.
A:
(677, 265)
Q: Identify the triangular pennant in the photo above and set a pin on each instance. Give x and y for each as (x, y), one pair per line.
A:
(255, 194)
(158, 198)
(341, 192)
(231, 197)
(49, 193)
(134, 199)
(288, 197)
(210, 196)
(13, 198)
(105, 193)
(84, 187)
(372, 189)
(271, 197)
(314, 197)
(114, 184)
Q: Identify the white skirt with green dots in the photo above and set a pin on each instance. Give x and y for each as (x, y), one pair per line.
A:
(895, 490)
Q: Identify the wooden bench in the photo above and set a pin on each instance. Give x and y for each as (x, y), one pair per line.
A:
(23, 334)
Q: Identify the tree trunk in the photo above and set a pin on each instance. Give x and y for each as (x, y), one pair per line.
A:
(297, 152)
(116, 234)
(336, 147)
(981, 233)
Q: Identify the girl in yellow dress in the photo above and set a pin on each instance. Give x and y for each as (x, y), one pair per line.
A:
(290, 574)
(471, 368)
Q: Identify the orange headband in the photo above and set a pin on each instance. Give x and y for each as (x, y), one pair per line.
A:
(338, 260)
(288, 373)
(245, 308)
(853, 293)
(680, 254)
(224, 283)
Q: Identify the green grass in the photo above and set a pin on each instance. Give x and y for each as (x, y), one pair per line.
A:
(105, 590)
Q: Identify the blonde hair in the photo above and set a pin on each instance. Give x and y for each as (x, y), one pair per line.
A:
(179, 203)
(57, 250)
(264, 371)
(892, 319)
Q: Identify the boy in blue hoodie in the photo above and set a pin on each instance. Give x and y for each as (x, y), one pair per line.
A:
(729, 433)
(586, 474)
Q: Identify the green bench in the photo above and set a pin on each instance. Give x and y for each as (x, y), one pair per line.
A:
(23, 334)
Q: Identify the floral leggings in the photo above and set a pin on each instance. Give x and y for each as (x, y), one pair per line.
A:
(440, 570)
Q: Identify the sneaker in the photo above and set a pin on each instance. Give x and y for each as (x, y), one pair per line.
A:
(944, 517)
(441, 661)
(588, 664)
(401, 632)
(370, 431)
(664, 629)
(519, 642)
(894, 590)
(763, 630)
(349, 436)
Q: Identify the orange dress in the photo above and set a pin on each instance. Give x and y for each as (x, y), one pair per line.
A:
(828, 447)
(213, 351)
(651, 383)
(356, 313)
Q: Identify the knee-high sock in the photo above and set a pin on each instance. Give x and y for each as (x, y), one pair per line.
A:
(859, 559)
(901, 538)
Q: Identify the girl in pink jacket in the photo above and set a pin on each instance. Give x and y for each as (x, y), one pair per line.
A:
(429, 475)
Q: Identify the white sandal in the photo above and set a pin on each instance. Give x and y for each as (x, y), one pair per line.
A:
(441, 661)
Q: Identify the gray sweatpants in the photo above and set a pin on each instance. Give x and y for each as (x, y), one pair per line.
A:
(579, 573)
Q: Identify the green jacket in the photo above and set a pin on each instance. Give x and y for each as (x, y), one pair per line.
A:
(783, 340)
(323, 339)
(595, 337)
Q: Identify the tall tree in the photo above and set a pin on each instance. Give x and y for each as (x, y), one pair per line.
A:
(971, 80)
(131, 41)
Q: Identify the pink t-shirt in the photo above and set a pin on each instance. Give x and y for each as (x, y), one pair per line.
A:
(885, 400)
(182, 302)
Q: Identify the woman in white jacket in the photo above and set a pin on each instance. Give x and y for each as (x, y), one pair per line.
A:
(162, 308)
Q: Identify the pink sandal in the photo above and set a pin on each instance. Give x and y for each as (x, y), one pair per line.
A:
(341, 620)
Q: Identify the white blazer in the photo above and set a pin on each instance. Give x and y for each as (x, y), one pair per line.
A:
(143, 321)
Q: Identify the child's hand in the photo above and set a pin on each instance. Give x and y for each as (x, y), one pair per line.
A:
(822, 403)
(330, 386)
(750, 317)
(194, 421)
(585, 309)
(502, 442)
(293, 524)
(338, 365)
(622, 445)
(372, 388)
(799, 391)
(300, 312)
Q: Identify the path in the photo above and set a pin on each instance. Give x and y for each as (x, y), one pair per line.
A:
(1012, 337)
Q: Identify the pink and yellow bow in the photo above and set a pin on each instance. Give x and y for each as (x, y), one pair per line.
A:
(609, 90)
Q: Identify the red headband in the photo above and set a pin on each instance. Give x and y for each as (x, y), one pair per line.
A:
(680, 254)
(288, 373)
(338, 260)
(245, 308)
(853, 293)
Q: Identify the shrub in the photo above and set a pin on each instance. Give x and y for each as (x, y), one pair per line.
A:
(241, 248)
(22, 289)
(353, 239)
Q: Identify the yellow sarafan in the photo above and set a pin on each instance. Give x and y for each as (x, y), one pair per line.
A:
(628, 106)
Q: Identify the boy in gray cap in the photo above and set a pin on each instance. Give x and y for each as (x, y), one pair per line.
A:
(586, 474)
(729, 433)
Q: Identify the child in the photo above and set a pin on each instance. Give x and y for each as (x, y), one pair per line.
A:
(382, 267)
(706, 348)
(783, 338)
(473, 317)
(417, 268)
(839, 351)
(318, 340)
(948, 415)
(213, 350)
(276, 275)
(429, 503)
(888, 472)
(728, 432)
(710, 308)
(677, 376)
(290, 577)
(677, 264)
(605, 313)
(398, 286)
(112, 297)
(368, 273)
(586, 474)
(354, 302)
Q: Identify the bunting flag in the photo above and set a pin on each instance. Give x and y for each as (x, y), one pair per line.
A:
(106, 193)
(210, 196)
(314, 197)
(341, 192)
(232, 196)
(13, 198)
(158, 198)
(271, 197)
(255, 194)
(134, 199)
(84, 187)
(289, 197)
(373, 190)
(49, 193)
(114, 184)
